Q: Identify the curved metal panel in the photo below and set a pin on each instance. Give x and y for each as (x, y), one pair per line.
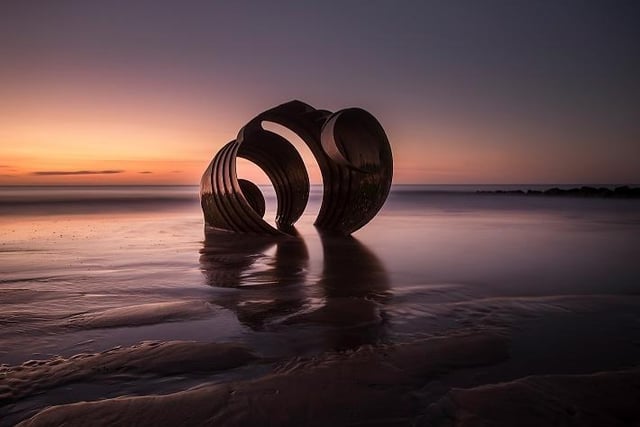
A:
(352, 151)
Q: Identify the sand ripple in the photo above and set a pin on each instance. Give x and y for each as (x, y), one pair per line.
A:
(167, 358)
(142, 314)
(366, 385)
(601, 399)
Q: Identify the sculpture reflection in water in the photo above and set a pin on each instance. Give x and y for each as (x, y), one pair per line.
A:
(275, 288)
(271, 285)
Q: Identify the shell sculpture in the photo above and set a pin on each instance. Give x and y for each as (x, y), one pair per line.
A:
(352, 151)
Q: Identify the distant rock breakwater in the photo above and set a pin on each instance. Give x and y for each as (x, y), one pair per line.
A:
(622, 192)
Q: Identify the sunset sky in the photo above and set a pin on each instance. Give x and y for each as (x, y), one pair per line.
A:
(145, 92)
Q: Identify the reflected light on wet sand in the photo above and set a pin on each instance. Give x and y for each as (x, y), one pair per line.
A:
(275, 287)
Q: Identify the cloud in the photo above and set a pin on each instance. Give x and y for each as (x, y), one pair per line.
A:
(105, 172)
(145, 172)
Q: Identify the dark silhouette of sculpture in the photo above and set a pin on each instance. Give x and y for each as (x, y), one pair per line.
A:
(352, 151)
(275, 288)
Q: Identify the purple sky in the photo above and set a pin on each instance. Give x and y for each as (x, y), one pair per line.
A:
(468, 91)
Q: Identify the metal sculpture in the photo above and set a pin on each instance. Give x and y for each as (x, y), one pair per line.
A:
(352, 151)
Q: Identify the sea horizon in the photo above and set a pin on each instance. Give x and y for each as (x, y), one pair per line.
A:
(471, 185)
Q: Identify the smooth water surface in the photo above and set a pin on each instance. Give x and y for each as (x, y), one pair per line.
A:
(86, 269)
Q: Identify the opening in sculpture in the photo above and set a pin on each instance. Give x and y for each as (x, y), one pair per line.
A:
(352, 151)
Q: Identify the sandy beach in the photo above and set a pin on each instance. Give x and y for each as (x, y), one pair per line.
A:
(472, 310)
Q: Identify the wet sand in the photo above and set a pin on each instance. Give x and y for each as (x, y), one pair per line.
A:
(363, 386)
(599, 399)
(428, 382)
(447, 310)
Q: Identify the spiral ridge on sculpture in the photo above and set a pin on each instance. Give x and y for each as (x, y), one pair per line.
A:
(352, 151)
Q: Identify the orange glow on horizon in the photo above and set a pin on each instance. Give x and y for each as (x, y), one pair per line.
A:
(107, 139)
(82, 133)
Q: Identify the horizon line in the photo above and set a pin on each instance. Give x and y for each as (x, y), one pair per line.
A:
(320, 184)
